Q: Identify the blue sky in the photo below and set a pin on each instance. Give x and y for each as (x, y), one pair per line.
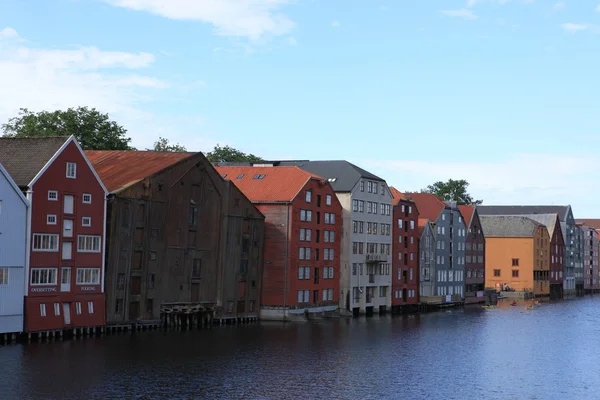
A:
(503, 93)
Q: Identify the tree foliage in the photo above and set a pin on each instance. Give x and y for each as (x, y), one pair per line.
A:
(93, 130)
(162, 144)
(452, 190)
(229, 154)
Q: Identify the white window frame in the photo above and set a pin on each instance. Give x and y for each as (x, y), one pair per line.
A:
(84, 219)
(71, 174)
(95, 239)
(87, 276)
(57, 309)
(51, 237)
(83, 198)
(78, 308)
(328, 199)
(90, 307)
(51, 219)
(308, 196)
(4, 278)
(52, 195)
(42, 310)
(49, 282)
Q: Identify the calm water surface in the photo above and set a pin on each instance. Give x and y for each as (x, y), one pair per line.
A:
(552, 352)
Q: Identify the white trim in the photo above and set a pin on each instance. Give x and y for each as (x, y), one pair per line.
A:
(79, 237)
(12, 183)
(55, 235)
(103, 266)
(83, 198)
(74, 170)
(48, 219)
(83, 221)
(28, 244)
(46, 284)
(55, 192)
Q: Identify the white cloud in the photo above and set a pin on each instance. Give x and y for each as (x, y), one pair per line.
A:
(471, 3)
(8, 33)
(517, 179)
(559, 6)
(242, 18)
(462, 13)
(572, 28)
(111, 81)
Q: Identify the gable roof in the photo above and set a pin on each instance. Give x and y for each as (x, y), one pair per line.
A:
(342, 175)
(12, 183)
(397, 195)
(549, 220)
(24, 158)
(276, 185)
(590, 222)
(467, 213)
(508, 226)
(429, 206)
(120, 169)
(562, 211)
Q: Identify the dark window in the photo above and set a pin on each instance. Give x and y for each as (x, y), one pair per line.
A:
(193, 217)
(242, 287)
(154, 233)
(197, 268)
(134, 310)
(137, 260)
(152, 256)
(496, 272)
(150, 284)
(243, 266)
(515, 273)
(149, 306)
(136, 285)
(119, 306)
(515, 262)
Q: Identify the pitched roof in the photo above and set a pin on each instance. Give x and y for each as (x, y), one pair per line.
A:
(342, 175)
(467, 213)
(508, 225)
(397, 195)
(522, 210)
(591, 222)
(12, 184)
(421, 224)
(549, 220)
(23, 158)
(120, 169)
(429, 206)
(267, 184)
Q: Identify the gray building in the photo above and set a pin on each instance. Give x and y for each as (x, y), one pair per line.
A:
(589, 243)
(573, 260)
(447, 283)
(427, 264)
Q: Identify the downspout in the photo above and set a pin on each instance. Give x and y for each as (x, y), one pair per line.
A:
(27, 249)
(104, 238)
(287, 255)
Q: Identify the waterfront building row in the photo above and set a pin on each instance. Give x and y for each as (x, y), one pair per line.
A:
(121, 237)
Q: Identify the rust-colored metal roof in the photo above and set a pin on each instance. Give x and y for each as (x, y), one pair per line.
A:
(121, 169)
(429, 205)
(590, 222)
(397, 195)
(268, 184)
(467, 214)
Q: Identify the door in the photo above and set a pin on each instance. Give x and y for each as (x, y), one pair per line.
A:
(68, 228)
(67, 313)
(67, 249)
(65, 279)
(195, 292)
(69, 201)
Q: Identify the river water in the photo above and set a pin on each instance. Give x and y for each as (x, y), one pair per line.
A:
(551, 352)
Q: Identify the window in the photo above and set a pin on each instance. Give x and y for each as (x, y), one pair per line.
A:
(87, 198)
(328, 199)
(197, 268)
(51, 219)
(303, 296)
(305, 235)
(382, 291)
(330, 218)
(57, 309)
(43, 276)
(515, 273)
(3, 276)
(86, 221)
(43, 310)
(90, 307)
(193, 216)
(308, 196)
(78, 308)
(88, 276)
(68, 228)
(412, 224)
(303, 273)
(150, 281)
(259, 176)
(306, 215)
(45, 242)
(71, 170)
(88, 244)
(304, 253)
(515, 262)
(496, 272)
(69, 204)
(362, 186)
(52, 195)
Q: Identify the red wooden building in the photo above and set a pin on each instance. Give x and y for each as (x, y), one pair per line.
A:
(405, 260)
(303, 230)
(66, 229)
(474, 255)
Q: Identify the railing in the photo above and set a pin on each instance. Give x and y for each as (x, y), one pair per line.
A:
(375, 257)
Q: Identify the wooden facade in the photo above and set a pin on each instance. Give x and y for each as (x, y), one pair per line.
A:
(180, 238)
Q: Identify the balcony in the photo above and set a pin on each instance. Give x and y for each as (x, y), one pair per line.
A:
(375, 257)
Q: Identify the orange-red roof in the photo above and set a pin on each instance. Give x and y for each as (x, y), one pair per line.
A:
(429, 206)
(268, 184)
(397, 195)
(591, 222)
(422, 223)
(119, 169)
(467, 214)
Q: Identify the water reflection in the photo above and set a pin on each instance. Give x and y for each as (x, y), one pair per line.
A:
(550, 352)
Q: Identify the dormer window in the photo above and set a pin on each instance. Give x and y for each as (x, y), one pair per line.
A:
(259, 176)
(240, 176)
(71, 170)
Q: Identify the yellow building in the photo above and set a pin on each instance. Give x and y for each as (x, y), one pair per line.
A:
(516, 254)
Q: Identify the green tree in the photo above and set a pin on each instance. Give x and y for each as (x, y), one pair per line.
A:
(452, 190)
(162, 144)
(229, 154)
(93, 130)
